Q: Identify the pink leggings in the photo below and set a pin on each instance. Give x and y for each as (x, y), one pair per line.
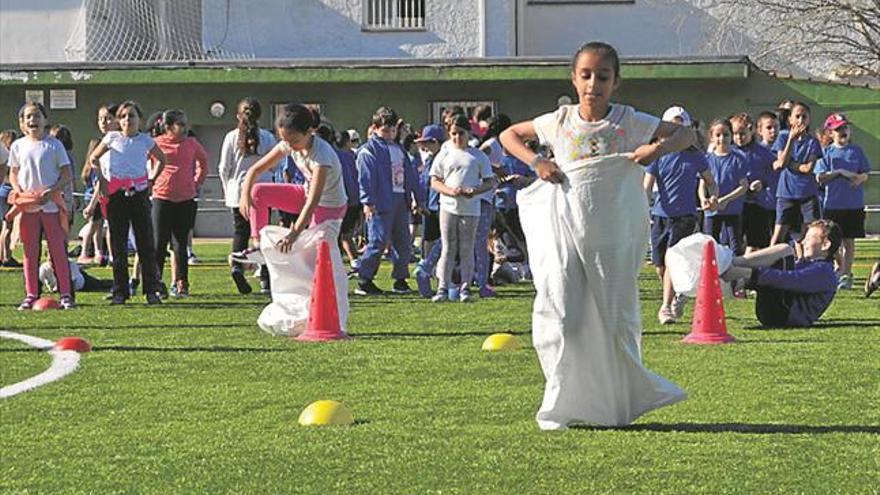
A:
(32, 225)
(286, 197)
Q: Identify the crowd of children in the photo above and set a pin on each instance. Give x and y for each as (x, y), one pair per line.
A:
(749, 182)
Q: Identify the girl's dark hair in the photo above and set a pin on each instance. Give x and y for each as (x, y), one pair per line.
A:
(316, 117)
(7, 137)
(32, 104)
(343, 140)
(125, 105)
(722, 122)
(782, 116)
(461, 122)
(482, 112)
(408, 141)
(801, 104)
(385, 116)
(155, 124)
(295, 117)
(249, 112)
(173, 116)
(604, 50)
(497, 125)
(325, 131)
(62, 133)
(111, 108)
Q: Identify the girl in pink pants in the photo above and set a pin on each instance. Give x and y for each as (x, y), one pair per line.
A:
(39, 170)
(323, 196)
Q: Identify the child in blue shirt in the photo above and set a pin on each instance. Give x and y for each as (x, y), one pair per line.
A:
(674, 212)
(792, 293)
(389, 183)
(728, 168)
(796, 195)
(843, 170)
(353, 214)
(760, 202)
(429, 145)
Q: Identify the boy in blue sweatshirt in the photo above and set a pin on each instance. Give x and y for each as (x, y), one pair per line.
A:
(389, 185)
(792, 293)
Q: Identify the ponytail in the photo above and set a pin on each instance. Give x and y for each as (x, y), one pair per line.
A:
(248, 129)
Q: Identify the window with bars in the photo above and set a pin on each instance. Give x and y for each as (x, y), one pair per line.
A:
(394, 15)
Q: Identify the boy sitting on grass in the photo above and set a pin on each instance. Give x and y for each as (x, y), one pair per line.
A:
(792, 293)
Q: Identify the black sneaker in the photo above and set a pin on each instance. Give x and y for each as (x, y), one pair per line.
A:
(153, 298)
(163, 290)
(368, 288)
(117, 299)
(401, 287)
(133, 287)
(241, 282)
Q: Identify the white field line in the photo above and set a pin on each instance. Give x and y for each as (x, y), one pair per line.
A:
(63, 363)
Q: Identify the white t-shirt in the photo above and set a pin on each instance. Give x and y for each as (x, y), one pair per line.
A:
(461, 168)
(572, 139)
(321, 154)
(128, 155)
(398, 174)
(38, 164)
(234, 164)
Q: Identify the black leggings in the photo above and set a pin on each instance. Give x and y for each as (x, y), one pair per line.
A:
(240, 236)
(173, 219)
(124, 212)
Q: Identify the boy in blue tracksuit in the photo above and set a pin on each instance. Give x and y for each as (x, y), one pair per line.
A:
(792, 293)
(389, 184)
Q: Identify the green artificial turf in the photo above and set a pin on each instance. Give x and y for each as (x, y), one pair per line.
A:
(191, 397)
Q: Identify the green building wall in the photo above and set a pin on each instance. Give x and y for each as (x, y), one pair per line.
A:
(349, 102)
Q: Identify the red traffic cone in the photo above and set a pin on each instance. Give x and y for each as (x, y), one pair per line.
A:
(73, 344)
(323, 321)
(709, 325)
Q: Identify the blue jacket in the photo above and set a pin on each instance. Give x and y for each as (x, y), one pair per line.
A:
(811, 283)
(349, 175)
(374, 176)
(432, 196)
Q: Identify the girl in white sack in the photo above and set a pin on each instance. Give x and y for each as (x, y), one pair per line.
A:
(588, 219)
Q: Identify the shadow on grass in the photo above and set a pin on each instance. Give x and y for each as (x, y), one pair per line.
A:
(822, 324)
(752, 428)
(138, 326)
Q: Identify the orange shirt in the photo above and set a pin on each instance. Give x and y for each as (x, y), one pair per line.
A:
(186, 168)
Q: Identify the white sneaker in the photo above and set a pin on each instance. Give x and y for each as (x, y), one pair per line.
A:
(665, 316)
(440, 296)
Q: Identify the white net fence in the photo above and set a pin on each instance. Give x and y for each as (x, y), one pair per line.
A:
(158, 30)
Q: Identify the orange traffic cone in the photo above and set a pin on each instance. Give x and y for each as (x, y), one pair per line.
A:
(709, 325)
(323, 321)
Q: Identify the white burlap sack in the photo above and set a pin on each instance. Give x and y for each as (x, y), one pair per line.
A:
(684, 262)
(587, 240)
(291, 275)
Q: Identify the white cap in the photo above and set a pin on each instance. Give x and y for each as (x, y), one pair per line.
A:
(677, 111)
(353, 135)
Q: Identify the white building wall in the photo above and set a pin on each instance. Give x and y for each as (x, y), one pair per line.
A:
(36, 30)
(316, 29)
(643, 28)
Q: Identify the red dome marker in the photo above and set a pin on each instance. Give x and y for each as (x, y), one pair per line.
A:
(73, 344)
(45, 303)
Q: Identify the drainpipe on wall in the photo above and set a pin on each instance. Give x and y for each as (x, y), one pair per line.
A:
(482, 12)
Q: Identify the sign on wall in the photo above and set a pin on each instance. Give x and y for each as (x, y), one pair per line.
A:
(34, 96)
(62, 99)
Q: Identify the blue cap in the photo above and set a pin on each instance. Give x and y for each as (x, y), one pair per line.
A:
(432, 131)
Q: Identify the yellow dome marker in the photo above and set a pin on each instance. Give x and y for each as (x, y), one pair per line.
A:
(501, 342)
(326, 413)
